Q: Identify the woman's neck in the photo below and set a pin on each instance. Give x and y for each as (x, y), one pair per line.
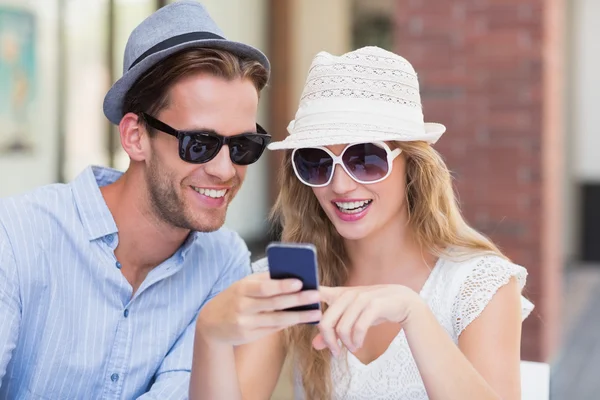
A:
(389, 255)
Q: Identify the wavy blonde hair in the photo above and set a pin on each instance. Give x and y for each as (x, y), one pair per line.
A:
(434, 217)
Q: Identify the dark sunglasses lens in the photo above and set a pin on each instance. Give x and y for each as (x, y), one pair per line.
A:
(198, 148)
(247, 149)
(367, 162)
(314, 166)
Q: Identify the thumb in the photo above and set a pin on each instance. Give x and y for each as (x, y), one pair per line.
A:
(259, 276)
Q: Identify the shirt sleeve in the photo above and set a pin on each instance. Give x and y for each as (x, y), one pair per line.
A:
(10, 302)
(478, 287)
(236, 268)
(172, 380)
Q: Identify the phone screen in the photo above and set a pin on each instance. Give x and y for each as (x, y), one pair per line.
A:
(299, 261)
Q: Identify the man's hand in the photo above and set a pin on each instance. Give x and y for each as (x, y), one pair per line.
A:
(251, 309)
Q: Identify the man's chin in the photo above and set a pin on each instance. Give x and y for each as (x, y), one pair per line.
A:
(209, 221)
(207, 218)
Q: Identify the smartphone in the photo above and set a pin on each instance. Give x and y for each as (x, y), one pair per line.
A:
(295, 260)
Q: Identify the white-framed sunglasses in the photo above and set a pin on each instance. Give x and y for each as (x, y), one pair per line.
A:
(366, 163)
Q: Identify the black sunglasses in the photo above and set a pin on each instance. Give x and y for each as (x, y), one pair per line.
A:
(198, 147)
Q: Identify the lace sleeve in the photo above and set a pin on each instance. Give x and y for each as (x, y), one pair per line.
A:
(261, 265)
(488, 275)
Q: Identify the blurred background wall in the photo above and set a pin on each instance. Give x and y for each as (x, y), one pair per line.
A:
(515, 81)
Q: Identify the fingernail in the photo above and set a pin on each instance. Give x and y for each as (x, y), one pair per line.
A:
(296, 285)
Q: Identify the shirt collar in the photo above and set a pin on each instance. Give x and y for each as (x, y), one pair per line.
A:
(95, 215)
(189, 243)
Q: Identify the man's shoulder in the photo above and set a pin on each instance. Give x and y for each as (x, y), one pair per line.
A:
(35, 213)
(222, 235)
(34, 206)
(223, 252)
(221, 242)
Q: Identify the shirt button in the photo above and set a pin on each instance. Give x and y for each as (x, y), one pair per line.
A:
(110, 239)
(114, 377)
(126, 313)
(118, 265)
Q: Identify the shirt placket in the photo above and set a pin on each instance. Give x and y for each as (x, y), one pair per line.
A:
(119, 357)
(121, 351)
(120, 354)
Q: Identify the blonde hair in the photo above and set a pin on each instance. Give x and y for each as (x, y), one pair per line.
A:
(434, 218)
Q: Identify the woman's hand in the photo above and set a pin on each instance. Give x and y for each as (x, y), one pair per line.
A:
(353, 310)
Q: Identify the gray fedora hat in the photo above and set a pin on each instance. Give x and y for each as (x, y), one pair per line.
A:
(175, 27)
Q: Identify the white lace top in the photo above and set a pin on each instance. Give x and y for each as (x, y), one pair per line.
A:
(457, 292)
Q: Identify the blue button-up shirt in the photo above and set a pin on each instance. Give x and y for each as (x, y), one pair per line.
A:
(69, 326)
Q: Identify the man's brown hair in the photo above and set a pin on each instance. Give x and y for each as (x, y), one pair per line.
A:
(150, 93)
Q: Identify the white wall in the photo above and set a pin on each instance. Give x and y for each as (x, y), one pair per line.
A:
(586, 90)
(86, 82)
(582, 125)
(21, 172)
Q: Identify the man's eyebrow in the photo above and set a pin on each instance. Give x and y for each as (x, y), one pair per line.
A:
(213, 132)
(200, 130)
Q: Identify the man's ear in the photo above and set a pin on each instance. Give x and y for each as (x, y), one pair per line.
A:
(133, 137)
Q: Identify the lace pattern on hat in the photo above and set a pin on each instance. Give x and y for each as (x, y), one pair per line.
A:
(360, 94)
(356, 83)
(375, 57)
(366, 75)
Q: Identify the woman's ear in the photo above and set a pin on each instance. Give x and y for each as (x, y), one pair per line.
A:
(133, 137)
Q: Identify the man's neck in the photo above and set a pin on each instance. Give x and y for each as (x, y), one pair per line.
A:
(145, 241)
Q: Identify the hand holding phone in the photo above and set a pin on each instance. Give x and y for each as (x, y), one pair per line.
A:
(259, 304)
(295, 260)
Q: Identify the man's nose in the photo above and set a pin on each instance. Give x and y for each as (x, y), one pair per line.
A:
(221, 166)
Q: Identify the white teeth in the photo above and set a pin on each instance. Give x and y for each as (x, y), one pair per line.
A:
(215, 194)
(352, 207)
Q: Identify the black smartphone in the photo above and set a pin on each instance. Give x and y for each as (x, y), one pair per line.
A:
(298, 261)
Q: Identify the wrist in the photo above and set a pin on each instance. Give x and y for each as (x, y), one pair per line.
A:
(415, 307)
(204, 331)
(207, 342)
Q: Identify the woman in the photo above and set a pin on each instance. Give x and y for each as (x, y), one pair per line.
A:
(419, 305)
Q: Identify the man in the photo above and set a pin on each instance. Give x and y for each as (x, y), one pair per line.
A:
(101, 280)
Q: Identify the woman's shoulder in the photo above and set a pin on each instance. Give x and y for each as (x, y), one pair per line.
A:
(260, 265)
(472, 280)
(482, 267)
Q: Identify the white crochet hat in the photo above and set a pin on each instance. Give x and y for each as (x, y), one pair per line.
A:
(367, 95)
